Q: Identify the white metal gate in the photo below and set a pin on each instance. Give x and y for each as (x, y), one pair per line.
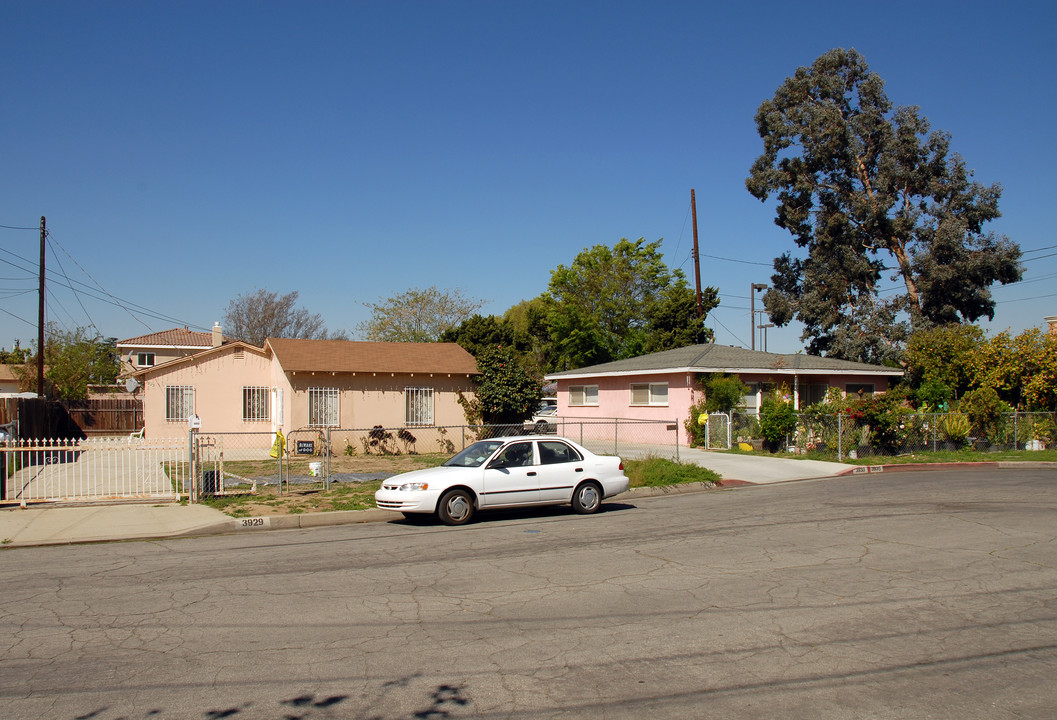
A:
(718, 431)
(93, 469)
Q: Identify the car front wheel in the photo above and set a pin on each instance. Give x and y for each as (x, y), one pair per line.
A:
(455, 507)
(587, 498)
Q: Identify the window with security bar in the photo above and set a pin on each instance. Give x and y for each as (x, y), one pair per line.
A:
(323, 407)
(256, 404)
(179, 402)
(418, 406)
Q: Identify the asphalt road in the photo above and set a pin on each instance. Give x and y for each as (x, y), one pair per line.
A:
(902, 595)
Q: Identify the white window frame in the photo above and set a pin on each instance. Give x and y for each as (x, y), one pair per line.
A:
(583, 396)
(329, 399)
(419, 404)
(654, 396)
(256, 404)
(145, 359)
(179, 402)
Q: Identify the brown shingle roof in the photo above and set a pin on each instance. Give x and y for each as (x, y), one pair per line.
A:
(349, 356)
(177, 337)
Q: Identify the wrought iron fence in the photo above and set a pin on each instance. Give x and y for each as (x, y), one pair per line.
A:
(92, 469)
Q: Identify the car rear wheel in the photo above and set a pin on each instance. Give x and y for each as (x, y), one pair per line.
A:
(587, 498)
(455, 507)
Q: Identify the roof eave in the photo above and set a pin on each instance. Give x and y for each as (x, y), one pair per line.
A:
(890, 372)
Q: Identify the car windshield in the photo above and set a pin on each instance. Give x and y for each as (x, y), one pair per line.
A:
(475, 455)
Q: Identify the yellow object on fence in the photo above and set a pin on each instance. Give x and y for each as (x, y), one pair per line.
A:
(279, 446)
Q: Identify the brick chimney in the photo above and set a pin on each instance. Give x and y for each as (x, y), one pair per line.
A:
(218, 336)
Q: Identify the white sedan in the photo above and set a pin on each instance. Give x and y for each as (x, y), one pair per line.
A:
(506, 472)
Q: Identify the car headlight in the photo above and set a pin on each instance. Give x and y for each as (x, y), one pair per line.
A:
(406, 487)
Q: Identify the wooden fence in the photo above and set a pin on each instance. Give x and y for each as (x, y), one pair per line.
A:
(107, 416)
(78, 418)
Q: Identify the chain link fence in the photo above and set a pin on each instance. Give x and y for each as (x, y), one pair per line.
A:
(848, 437)
(612, 436)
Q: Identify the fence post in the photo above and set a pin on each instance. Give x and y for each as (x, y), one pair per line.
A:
(840, 437)
(192, 456)
(326, 461)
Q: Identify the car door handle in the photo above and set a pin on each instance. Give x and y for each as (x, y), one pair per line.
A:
(531, 473)
(579, 469)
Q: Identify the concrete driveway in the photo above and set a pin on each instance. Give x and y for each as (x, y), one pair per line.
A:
(761, 470)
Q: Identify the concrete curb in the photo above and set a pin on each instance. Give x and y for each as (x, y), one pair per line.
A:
(904, 467)
(353, 517)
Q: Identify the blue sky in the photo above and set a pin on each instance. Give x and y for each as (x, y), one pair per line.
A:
(188, 152)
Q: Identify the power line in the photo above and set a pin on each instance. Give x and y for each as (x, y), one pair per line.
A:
(75, 286)
(733, 260)
(16, 317)
(91, 323)
(1034, 297)
(1040, 257)
(727, 329)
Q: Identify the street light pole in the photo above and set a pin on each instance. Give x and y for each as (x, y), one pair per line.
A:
(753, 287)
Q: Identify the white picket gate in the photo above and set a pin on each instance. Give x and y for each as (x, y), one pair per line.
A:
(93, 469)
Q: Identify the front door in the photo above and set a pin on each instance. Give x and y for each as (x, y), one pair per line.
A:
(512, 477)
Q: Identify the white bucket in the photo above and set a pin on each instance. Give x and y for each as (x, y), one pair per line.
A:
(315, 469)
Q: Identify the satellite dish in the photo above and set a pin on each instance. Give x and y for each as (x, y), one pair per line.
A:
(132, 384)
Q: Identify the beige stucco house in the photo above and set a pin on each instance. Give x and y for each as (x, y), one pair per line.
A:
(158, 348)
(663, 386)
(293, 384)
(8, 379)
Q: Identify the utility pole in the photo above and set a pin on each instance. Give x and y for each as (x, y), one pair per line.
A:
(697, 257)
(40, 314)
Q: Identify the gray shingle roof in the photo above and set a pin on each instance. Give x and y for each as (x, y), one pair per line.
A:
(723, 358)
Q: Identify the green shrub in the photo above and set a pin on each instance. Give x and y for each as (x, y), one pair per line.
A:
(777, 421)
(984, 409)
(656, 472)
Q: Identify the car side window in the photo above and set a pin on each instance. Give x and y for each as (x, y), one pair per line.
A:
(517, 455)
(553, 452)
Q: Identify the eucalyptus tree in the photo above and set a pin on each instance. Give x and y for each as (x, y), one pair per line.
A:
(867, 189)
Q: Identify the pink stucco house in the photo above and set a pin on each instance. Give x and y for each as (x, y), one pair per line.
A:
(290, 384)
(663, 386)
